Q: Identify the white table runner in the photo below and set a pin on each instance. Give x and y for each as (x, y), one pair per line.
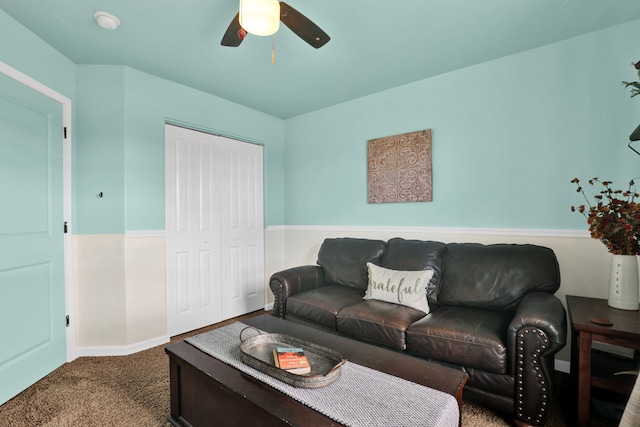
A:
(360, 397)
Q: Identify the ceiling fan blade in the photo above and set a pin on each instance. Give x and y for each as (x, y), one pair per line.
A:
(302, 26)
(232, 35)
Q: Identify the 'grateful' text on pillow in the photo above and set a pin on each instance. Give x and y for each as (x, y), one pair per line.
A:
(399, 287)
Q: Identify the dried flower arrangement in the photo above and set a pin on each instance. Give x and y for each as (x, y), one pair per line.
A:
(615, 218)
(635, 86)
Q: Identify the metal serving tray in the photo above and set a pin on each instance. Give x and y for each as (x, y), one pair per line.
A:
(257, 352)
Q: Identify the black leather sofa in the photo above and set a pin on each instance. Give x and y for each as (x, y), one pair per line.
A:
(492, 312)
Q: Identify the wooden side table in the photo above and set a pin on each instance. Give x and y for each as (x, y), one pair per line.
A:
(589, 318)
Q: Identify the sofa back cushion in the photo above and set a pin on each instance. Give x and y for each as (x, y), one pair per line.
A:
(497, 276)
(344, 260)
(414, 255)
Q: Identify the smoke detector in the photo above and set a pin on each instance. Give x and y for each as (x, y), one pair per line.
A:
(106, 20)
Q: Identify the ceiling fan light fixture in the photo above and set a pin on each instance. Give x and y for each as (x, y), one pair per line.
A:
(260, 17)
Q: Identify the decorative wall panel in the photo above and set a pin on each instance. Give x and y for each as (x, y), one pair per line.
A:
(399, 168)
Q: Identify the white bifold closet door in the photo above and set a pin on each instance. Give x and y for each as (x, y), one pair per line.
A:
(214, 228)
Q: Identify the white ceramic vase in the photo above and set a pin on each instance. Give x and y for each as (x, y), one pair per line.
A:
(623, 282)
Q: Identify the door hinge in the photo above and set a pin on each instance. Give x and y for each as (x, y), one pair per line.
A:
(68, 321)
(66, 227)
(64, 131)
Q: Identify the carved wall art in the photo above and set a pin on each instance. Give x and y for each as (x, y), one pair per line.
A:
(399, 168)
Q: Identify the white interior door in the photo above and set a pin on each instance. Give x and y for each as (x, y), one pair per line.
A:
(32, 287)
(242, 236)
(214, 229)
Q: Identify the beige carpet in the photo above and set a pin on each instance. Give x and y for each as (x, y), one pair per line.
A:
(134, 391)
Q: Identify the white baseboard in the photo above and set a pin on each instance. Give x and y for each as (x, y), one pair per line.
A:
(121, 350)
(563, 366)
(268, 307)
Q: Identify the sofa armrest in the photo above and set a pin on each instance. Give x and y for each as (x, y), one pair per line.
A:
(289, 282)
(536, 333)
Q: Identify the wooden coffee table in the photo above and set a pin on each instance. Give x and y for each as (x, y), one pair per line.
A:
(206, 391)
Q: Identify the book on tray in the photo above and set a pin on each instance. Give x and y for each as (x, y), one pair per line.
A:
(291, 359)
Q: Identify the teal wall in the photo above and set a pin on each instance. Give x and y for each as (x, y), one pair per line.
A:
(98, 150)
(24, 51)
(118, 134)
(149, 102)
(119, 146)
(508, 136)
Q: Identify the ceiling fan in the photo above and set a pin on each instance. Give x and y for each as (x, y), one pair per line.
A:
(296, 21)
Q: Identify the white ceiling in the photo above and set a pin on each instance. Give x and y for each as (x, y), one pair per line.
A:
(375, 44)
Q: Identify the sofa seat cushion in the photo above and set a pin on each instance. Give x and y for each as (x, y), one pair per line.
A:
(379, 322)
(465, 336)
(321, 305)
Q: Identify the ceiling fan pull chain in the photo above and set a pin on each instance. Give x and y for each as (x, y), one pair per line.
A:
(273, 49)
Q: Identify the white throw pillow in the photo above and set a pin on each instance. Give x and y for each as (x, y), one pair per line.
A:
(399, 287)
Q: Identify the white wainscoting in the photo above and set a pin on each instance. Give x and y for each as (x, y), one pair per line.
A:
(120, 290)
(120, 293)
